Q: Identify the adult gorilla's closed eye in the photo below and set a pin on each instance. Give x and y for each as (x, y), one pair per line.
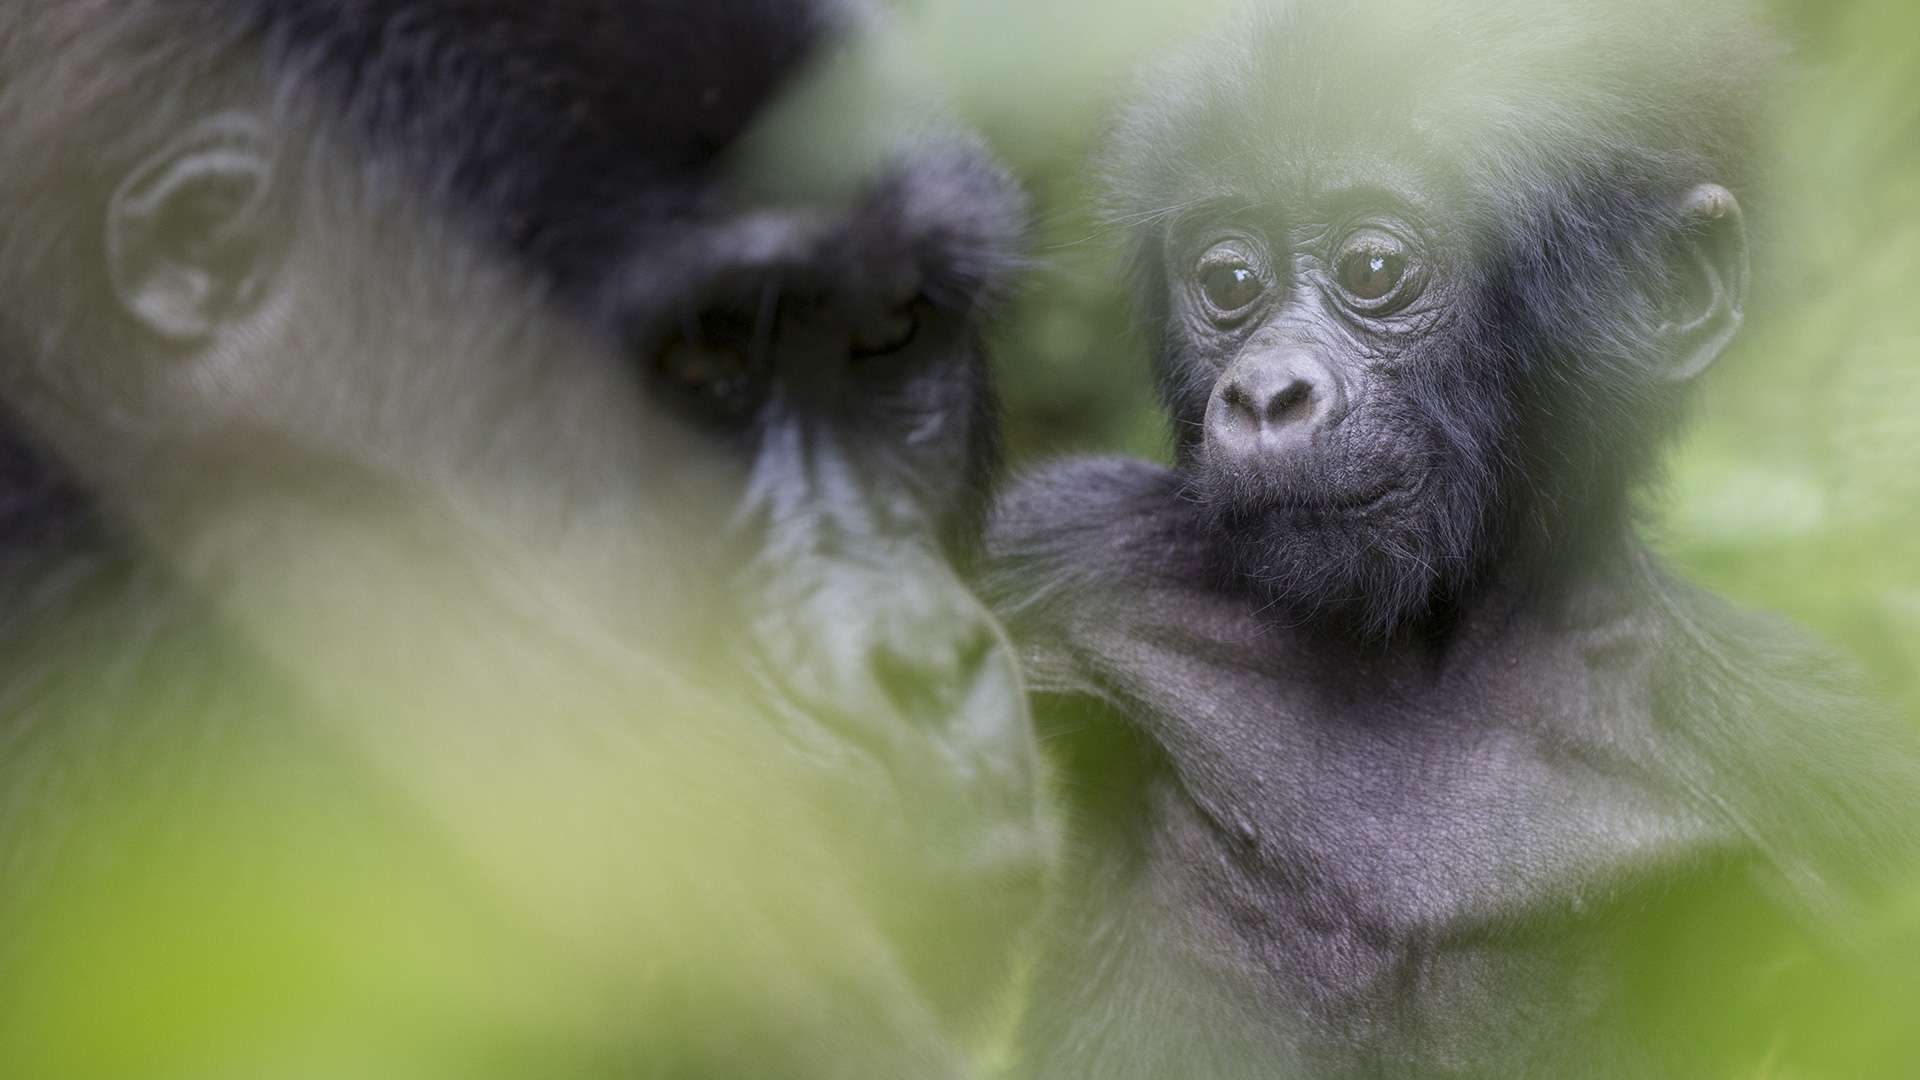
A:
(1393, 751)
(440, 374)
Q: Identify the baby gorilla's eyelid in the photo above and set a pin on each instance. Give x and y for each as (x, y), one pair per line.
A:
(1217, 261)
(1373, 232)
(1382, 228)
(1226, 251)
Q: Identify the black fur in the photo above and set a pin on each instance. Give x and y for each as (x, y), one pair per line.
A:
(1459, 781)
(487, 224)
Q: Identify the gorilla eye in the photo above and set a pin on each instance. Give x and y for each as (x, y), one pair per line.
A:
(711, 370)
(889, 333)
(1231, 277)
(1372, 268)
(1232, 287)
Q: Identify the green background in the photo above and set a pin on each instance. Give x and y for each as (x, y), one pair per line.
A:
(182, 933)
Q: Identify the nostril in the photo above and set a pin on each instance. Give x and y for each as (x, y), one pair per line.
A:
(928, 679)
(974, 650)
(902, 682)
(1290, 398)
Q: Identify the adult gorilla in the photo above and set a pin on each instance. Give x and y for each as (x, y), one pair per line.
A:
(452, 452)
(1393, 750)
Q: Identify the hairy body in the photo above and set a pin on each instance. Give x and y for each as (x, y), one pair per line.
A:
(1589, 838)
(1390, 749)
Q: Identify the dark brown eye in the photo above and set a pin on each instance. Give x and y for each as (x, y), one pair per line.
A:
(1231, 286)
(888, 333)
(710, 368)
(1372, 268)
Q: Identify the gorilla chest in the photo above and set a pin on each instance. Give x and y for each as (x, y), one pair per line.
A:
(1385, 849)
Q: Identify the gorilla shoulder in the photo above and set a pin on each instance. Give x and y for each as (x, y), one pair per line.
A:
(1081, 531)
(1790, 734)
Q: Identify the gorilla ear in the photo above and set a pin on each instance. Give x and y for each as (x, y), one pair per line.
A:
(1710, 281)
(186, 230)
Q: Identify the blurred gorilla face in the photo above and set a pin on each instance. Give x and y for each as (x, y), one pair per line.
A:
(580, 470)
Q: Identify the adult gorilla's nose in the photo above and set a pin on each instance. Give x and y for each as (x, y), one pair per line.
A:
(906, 684)
(903, 660)
(1272, 402)
(933, 662)
(932, 673)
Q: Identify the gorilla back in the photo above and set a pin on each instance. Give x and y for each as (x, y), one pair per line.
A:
(1392, 750)
(450, 477)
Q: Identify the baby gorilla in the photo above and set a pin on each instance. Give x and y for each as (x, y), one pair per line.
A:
(1392, 750)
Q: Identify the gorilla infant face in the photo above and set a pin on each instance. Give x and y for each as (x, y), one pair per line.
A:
(1310, 325)
(1411, 322)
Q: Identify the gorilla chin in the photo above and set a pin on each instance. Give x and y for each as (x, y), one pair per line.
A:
(1368, 548)
(1369, 571)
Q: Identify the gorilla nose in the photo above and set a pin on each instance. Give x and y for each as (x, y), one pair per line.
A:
(939, 674)
(893, 651)
(1271, 404)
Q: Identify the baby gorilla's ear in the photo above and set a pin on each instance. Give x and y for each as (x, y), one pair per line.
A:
(1710, 274)
(186, 230)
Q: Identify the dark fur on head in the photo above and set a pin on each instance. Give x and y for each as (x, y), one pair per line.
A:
(540, 132)
(442, 422)
(1562, 136)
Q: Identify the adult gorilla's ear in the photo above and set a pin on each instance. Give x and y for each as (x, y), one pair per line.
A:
(1711, 272)
(186, 231)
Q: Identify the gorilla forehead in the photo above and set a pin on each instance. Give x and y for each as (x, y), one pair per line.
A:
(1474, 93)
(536, 119)
(535, 116)
(506, 78)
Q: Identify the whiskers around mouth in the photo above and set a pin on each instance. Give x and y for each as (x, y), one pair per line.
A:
(1309, 502)
(1304, 487)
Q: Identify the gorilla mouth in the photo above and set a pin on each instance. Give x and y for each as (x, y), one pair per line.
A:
(1356, 502)
(1334, 489)
(1321, 499)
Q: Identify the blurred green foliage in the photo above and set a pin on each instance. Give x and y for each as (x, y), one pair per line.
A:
(1800, 487)
(361, 937)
